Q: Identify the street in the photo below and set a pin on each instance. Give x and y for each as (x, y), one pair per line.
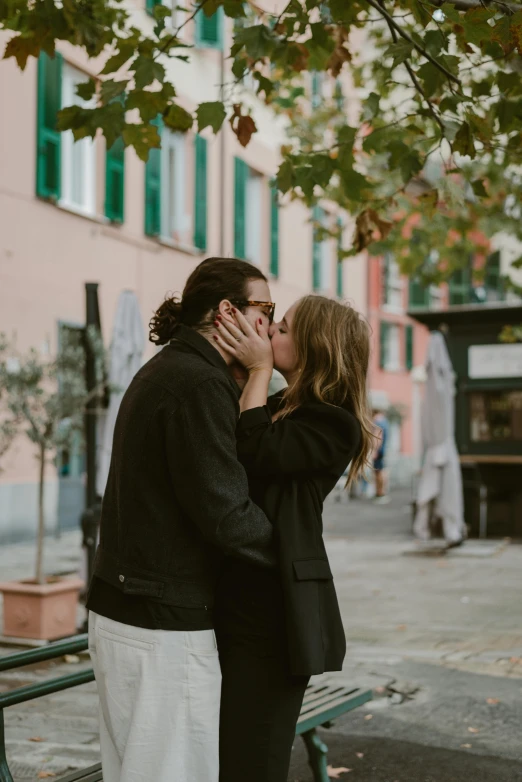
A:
(439, 638)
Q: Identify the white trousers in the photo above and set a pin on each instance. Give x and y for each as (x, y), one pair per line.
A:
(159, 702)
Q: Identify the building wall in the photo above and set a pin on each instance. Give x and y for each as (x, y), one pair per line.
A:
(47, 252)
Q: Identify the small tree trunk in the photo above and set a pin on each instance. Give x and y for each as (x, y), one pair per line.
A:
(40, 579)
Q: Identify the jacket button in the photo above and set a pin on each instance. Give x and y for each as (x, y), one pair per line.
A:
(122, 579)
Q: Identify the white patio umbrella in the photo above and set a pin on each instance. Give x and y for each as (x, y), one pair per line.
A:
(441, 478)
(125, 358)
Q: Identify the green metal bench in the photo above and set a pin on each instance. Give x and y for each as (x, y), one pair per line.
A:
(324, 701)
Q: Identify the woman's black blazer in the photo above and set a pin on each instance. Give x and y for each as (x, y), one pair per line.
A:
(293, 464)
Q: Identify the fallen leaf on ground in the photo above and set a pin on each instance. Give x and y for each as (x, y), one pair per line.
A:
(466, 746)
(72, 659)
(473, 730)
(402, 627)
(335, 773)
(360, 755)
(369, 717)
(36, 738)
(380, 690)
(516, 660)
(46, 774)
(492, 701)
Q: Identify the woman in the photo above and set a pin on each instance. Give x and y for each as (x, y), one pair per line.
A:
(277, 628)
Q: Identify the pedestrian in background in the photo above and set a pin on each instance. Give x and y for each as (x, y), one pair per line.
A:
(379, 457)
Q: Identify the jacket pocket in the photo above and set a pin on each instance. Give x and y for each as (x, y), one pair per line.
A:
(312, 570)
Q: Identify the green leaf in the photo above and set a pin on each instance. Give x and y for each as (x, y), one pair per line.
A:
(435, 42)
(479, 188)
(149, 103)
(354, 184)
(370, 106)
(86, 89)
(322, 169)
(147, 71)
(21, 47)
(177, 118)
(142, 138)
(463, 142)
(111, 89)
(476, 27)
(257, 40)
(119, 59)
(400, 51)
(285, 176)
(432, 77)
(450, 12)
(211, 114)
(509, 82)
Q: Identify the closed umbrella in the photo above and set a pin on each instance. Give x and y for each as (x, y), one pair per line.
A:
(125, 358)
(441, 478)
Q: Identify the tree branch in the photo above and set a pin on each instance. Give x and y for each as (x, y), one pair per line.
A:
(407, 37)
(468, 5)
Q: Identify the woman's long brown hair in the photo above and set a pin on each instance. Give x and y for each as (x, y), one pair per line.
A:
(332, 345)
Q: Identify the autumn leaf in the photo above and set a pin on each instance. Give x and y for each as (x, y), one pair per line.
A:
(243, 125)
(36, 738)
(46, 774)
(473, 730)
(335, 773)
(492, 701)
(369, 717)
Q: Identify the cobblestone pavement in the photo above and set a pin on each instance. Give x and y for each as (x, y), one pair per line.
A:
(438, 637)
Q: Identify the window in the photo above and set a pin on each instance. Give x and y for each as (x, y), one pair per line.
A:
(320, 254)
(78, 157)
(274, 231)
(408, 347)
(247, 212)
(419, 294)
(165, 200)
(209, 30)
(460, 287)
(316, 88)
(493, 282)
(173, 222)
(200, 190)
(390, 346)
(496, 416)
(392, 284)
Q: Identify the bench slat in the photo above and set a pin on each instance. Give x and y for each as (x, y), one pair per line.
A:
(91, 774)
(324, 702)
(319, 716)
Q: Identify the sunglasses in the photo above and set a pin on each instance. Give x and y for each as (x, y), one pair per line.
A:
(268, 306)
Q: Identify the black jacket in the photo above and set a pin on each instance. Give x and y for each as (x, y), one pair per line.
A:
(293, 464)
(177, 497)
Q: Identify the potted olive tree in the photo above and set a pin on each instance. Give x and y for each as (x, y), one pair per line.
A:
(47, 399)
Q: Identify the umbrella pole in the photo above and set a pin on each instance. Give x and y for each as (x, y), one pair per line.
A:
(90, 519)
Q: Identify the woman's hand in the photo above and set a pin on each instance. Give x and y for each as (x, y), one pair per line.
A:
(250, 347)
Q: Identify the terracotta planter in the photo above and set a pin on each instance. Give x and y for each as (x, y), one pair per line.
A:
(41, 611)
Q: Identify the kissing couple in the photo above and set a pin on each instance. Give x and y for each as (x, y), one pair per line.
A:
(212, 601)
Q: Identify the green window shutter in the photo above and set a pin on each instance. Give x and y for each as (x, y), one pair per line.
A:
(209, 30)
(274, 232)
(153, 190)
(316, 89)
(383, 344)
(150, 6)
(48, 139)
(419, 295)
(317, 216)
(493, 281)
(240, 182)
(200, 205)
(386, 261)
(460, 287)
(409, 347)
(115, 181)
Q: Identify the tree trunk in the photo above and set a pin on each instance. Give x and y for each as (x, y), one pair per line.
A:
(40, 579)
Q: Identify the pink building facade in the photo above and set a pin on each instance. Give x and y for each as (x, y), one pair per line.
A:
(75, 213)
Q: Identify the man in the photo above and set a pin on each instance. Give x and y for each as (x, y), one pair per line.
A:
(176, 502)
(379, 464)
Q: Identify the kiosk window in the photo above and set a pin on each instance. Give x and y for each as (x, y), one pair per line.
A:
(495, 416)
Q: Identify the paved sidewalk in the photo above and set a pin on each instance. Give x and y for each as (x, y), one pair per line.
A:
(438, 637)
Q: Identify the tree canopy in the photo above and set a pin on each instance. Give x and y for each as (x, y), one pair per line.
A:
(430, 168)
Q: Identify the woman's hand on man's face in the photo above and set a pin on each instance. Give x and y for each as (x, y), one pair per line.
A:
(249, 346)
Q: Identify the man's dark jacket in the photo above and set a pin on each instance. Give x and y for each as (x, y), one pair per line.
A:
(177, 498)
(293, 464)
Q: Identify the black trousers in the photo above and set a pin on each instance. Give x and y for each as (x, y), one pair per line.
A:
(260, 699)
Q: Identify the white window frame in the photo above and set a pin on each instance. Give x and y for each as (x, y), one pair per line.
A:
(72, 151)
(394, 289)
(393, 348)
(174, 221)
(253, 215)
(436, 297)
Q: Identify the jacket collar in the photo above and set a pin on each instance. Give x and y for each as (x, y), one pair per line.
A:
(198, 344)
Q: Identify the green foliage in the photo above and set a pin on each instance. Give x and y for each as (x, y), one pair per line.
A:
(432, 159)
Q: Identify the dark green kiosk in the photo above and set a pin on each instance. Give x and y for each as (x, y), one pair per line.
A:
(488, 411)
